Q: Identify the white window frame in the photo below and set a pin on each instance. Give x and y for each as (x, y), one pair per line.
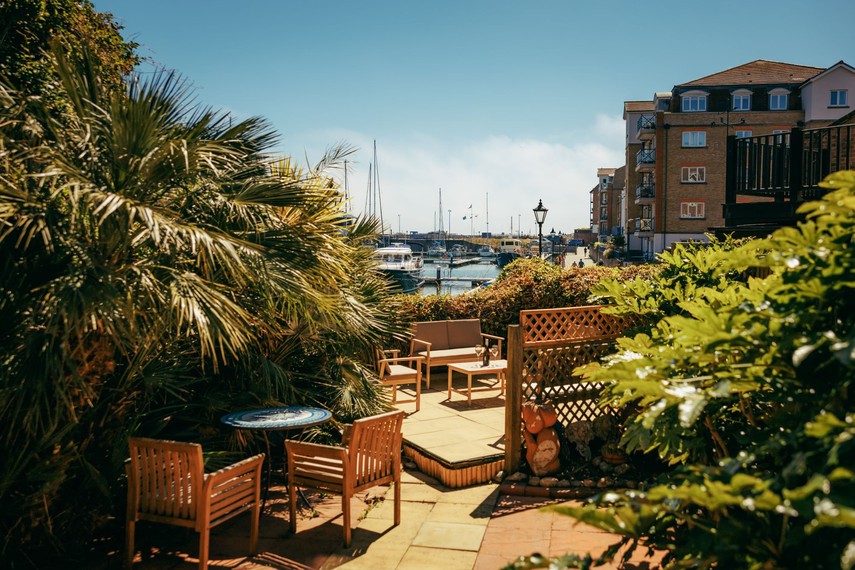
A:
(692, 210)
(693, 174)
(694, 139)
(838, 98)
(777, 97)
(697, 100)
(743, 134)
(741, 102)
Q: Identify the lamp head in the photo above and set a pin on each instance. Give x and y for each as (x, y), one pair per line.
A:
(540, 213)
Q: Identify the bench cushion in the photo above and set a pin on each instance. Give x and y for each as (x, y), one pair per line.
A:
(451, 355)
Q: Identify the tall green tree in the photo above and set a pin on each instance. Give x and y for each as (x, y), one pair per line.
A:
(160, 268)
(28, 29)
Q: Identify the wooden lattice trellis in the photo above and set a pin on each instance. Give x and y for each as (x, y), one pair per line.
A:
(543, 350)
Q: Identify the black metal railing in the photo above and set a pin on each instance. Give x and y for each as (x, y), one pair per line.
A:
(787, 166)
(646, 122)
(644, 190)
(646, 156)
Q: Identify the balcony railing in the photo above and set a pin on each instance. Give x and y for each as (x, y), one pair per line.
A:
(646, 156)
(646, 122)
(785, 167)
(645, 190)
(641, 225)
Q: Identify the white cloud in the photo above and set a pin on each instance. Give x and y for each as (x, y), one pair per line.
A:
(514, 173)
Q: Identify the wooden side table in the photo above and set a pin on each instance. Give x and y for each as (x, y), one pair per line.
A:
(470, 369)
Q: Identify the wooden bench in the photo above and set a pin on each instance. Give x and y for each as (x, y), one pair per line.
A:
(448, 342)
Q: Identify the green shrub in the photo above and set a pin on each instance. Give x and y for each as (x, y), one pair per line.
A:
(523, 284)
(745, 386)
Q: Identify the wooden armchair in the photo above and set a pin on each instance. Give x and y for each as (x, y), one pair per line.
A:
(395, 370)
(371, 456)
(166, 484)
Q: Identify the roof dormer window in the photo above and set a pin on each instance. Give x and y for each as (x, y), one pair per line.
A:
(779, 100)
(741, 100)
(694, 102)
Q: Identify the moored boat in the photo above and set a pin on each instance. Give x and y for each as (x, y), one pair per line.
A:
(505, 257)
(398, 262)
(486, 251)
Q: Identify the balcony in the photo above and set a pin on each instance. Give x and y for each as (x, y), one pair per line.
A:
(645, 160)
(642, 227)
(646, 127)
(770, 176)
(644, 194)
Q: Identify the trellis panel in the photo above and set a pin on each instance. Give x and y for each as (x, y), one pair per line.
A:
(548, 345)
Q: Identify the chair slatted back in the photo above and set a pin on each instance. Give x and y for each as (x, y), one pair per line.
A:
(165, 480)
(375, 449)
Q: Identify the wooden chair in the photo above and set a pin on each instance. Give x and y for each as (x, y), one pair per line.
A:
(370, 456)
(395, 370)
(166, 484)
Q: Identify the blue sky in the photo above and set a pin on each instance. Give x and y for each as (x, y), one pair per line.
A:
(498, 103)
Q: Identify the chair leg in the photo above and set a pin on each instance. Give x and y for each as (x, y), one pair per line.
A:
(418, 393)
(204, 542)
(255, 513)
(129, 543)
(292, 506)
(345, 509)
(397, 484)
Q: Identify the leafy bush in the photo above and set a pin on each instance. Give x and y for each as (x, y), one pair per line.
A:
(745, 386)
(523, 284)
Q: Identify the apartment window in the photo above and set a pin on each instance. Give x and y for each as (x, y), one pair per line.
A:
(742, 102)
(693, 174)
(692, 210)
(694, 103)
(694, 138)
(743, 134)
(604, 198)
(778, 101)
(838, 98)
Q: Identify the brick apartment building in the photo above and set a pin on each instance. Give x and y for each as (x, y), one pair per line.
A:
(675, 170)
(607, 201)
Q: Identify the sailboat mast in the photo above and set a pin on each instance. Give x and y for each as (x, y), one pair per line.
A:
(441, 226)
(379, 201)
(488, 213)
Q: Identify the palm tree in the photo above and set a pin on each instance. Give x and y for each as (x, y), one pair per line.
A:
(159, 268)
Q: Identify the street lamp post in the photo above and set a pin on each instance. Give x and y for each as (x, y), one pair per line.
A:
(540, 217)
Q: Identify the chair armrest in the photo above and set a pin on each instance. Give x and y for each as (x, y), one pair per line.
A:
(415, 341)
(385, 362)
(326, 466)
(302, 449)
(236, 470)
(494, 337)
(230, 491)
(402, 359)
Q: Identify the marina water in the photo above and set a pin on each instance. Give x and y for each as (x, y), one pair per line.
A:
(482, 270)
